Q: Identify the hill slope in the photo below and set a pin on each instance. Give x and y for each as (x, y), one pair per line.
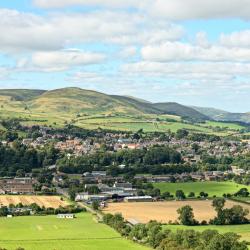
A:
(21, 94)
(75, 100)
(221, 115)
(181, 110)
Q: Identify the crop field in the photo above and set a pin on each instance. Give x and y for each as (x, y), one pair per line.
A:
(210, 187)
(51, 233)
(46, 201)
(165, 211)
(242, 230)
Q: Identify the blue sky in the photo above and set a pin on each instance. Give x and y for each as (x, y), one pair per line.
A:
(192, 52)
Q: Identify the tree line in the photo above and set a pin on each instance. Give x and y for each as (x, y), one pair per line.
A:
(154, 235)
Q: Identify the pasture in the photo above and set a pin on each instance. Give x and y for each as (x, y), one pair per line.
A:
(165, 211)
(210, 187)
(51, 233)
(46, 201)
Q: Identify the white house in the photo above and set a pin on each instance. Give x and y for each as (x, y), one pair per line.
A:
(65, 216)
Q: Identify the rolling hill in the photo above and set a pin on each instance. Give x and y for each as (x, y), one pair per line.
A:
(75, 100)
(181, 110)
(221, 115)
(21, 94)
(91, 109)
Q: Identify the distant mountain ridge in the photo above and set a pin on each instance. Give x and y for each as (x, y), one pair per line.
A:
(221, 115)
(75, 101)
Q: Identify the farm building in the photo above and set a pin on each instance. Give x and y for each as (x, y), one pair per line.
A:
(17, 185)
(65, 216)
(138, 199)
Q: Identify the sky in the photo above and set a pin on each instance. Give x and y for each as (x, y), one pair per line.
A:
(188, 51)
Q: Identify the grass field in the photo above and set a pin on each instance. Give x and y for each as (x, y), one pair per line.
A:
(50, 233)
(165, 211)
(46, 201)
(226, 125)
(212, 187)
(242, 230)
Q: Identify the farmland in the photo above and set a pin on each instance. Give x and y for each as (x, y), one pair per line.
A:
(50, 233)
(212, 187)
(164, 211)
(46, 201)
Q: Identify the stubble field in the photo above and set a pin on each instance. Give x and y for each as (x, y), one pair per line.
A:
(46, 201)
(163, 212)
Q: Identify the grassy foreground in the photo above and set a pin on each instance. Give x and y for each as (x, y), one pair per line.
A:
(50, 233)
(211, 187)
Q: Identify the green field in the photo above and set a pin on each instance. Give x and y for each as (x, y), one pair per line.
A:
(226, 125)
(50, 233)
(242, 230)
(212, 187)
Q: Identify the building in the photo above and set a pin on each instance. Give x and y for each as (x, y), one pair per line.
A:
(93, 197)
(123, 185)
(65, 216)
(138, 199)
(17, 185)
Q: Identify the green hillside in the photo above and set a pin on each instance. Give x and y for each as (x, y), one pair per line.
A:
(76, 100)
(91, 109)
(21, 94)
(181, 110)
(221, 115)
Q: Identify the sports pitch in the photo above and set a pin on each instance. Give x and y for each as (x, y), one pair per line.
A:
(51, 233)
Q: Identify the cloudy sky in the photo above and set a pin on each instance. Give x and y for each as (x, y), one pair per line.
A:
(190, 51)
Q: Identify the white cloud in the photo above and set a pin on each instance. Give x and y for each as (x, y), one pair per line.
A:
(87, 77)
(177, 51)
(202, 40)
(236, 39)
(197, 9)
(128, 52)
(4, 72)
(170, 9)
(30, 32)
(215, 71)
(105, 3)
(59, 60)
(25, 31)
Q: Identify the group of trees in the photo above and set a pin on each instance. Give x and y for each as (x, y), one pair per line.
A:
(148, 189)
(139, 158)
(24, 210)
(225, 216)
(19, 159)
(154, 235)
(228, 216)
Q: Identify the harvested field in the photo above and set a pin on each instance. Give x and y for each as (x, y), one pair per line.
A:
(46, 201)
(165, 211)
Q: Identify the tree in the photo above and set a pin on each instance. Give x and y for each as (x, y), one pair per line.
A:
(243, 192)
(229, 241)
(3, 211)
(139, 232)
(191, 195)
(179, 194)
(95, 205)
(203, 194)
(166, 195)
(186, 215)
(218, 204)
(72, 194)
(181, 133)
